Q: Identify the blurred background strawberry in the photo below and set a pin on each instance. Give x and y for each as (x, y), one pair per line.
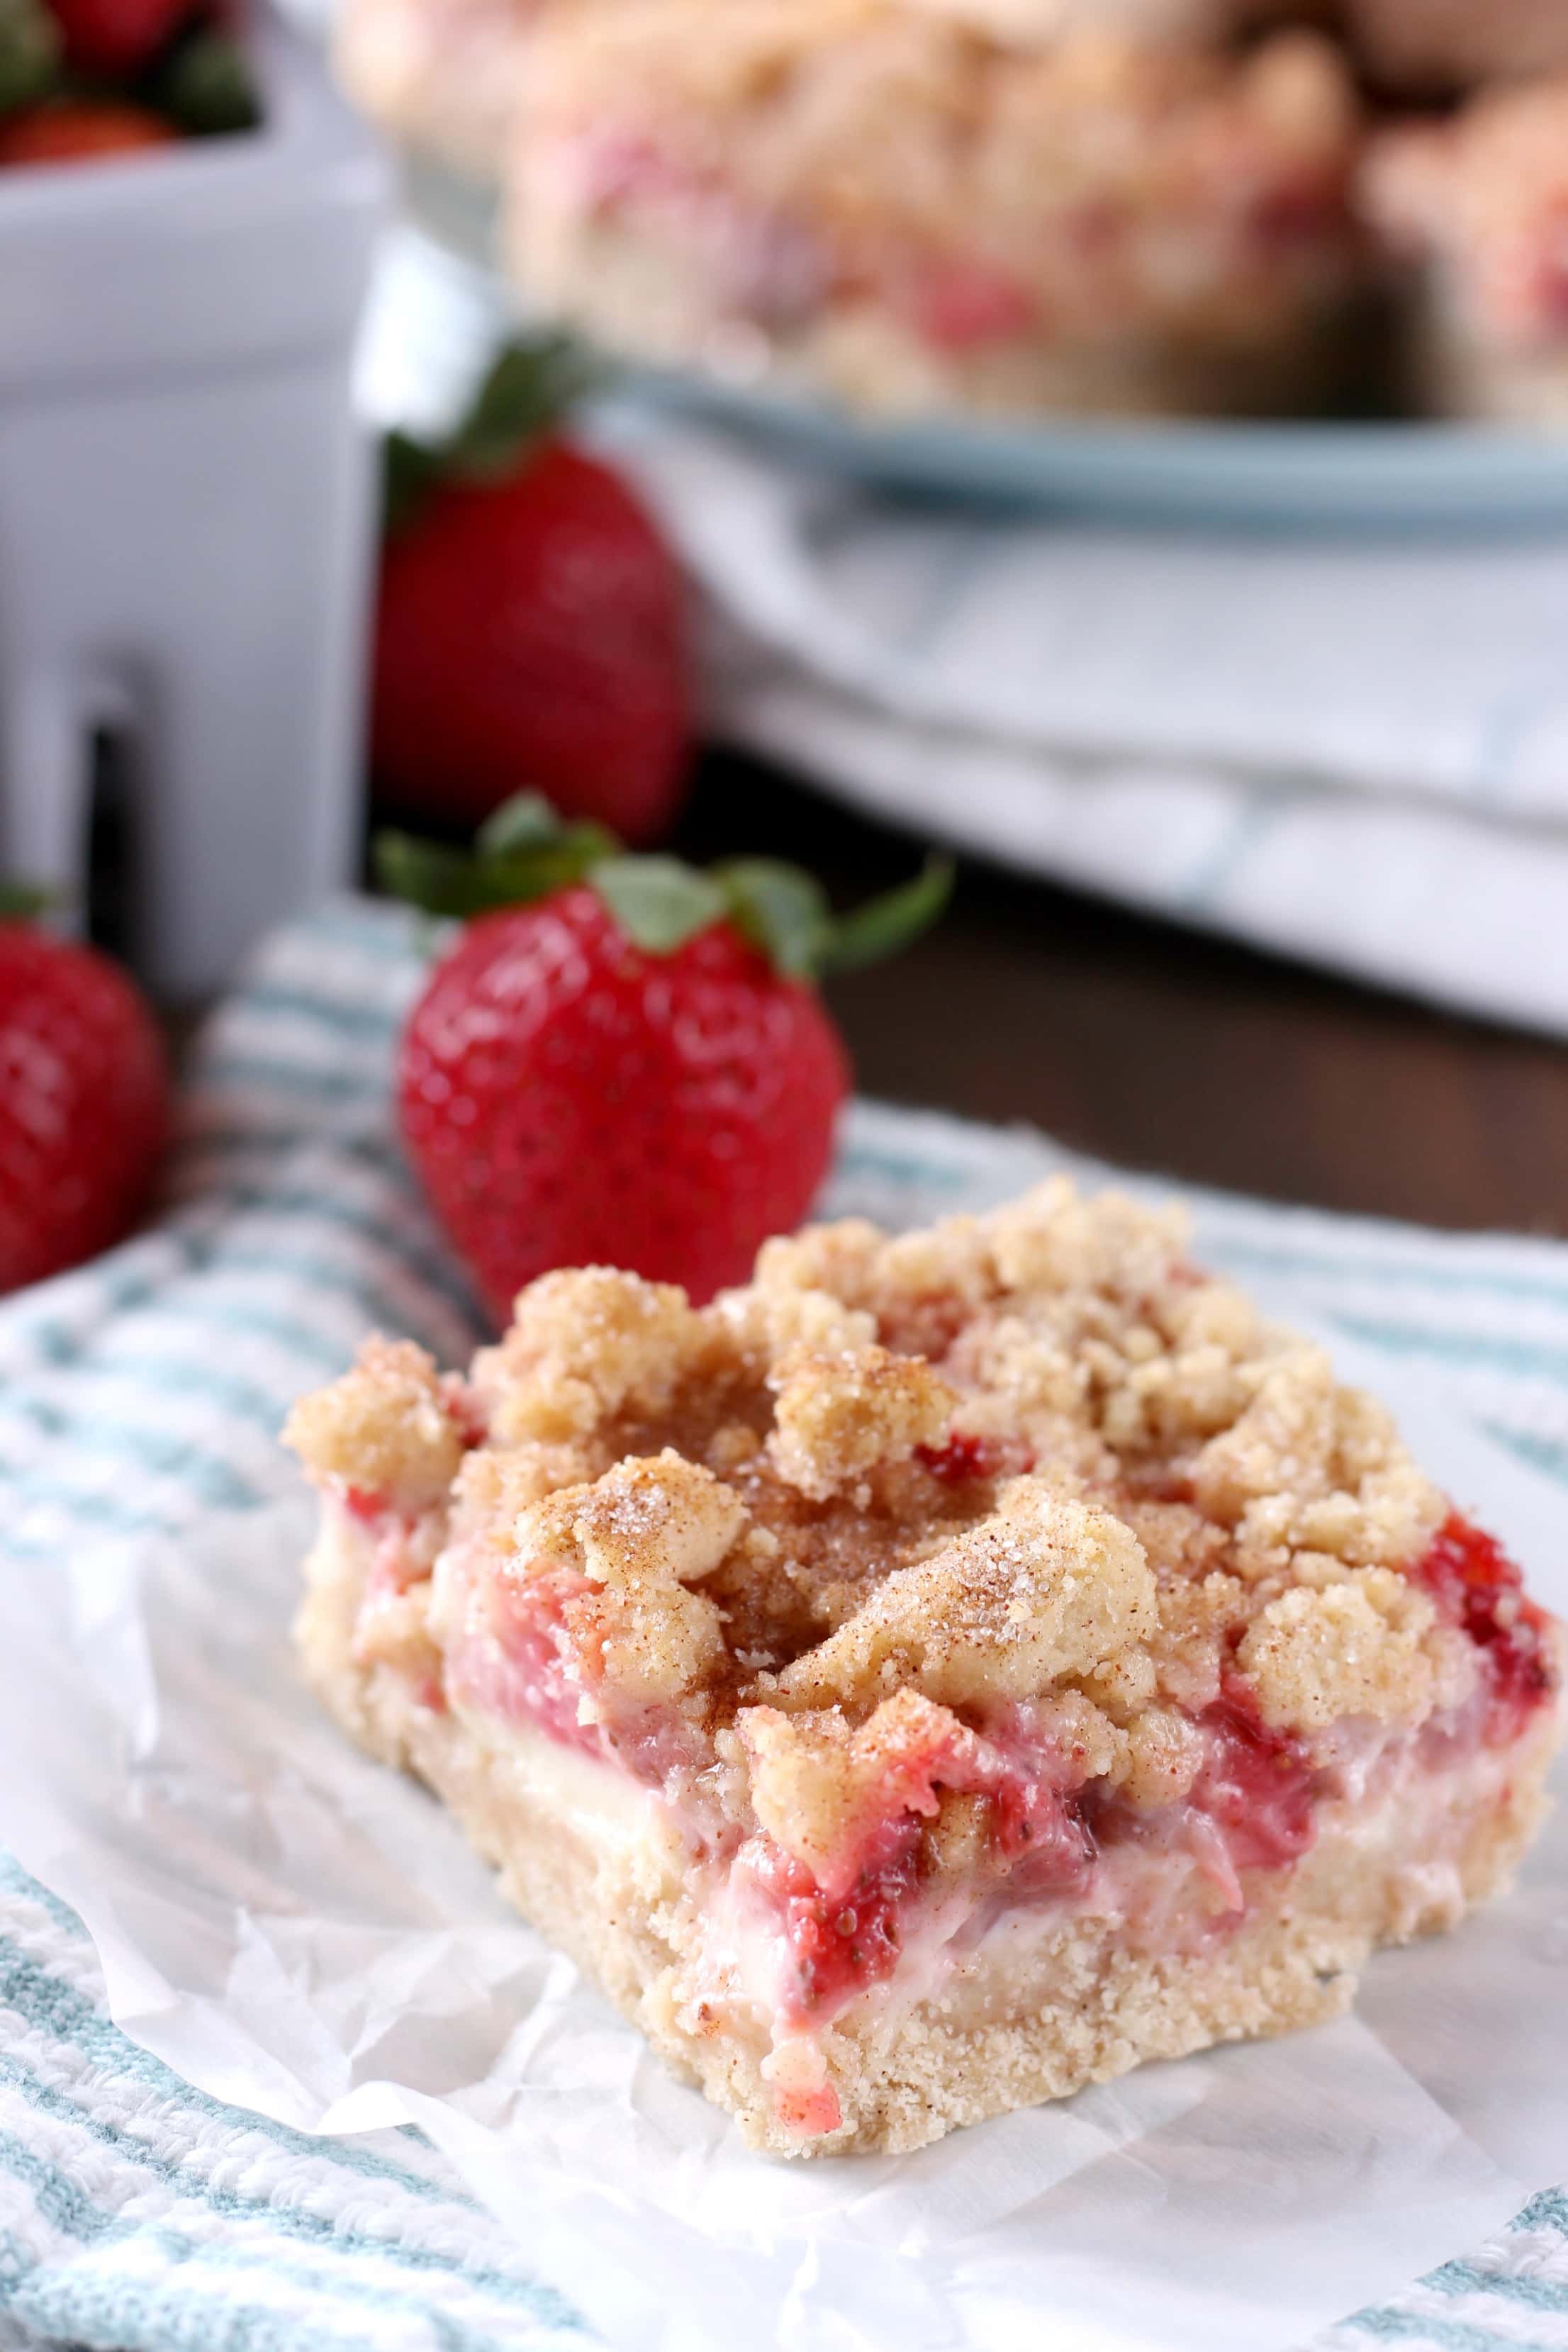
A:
(621, 1060)
(116, 37)
(530, 630)
(84, 1100)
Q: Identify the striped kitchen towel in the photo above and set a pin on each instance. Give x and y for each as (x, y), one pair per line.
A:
(143, 1393)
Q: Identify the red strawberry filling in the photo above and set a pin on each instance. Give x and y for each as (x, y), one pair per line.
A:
(959, 305)
(1250, 1807)
(839, 1946)
(1255, 1785)
(1551, 286)
(1477, 1587)
(525, 1661)
(964, 1457)
(394, 1565)
(841, 1941)
(521, 1665)
(844, 1929)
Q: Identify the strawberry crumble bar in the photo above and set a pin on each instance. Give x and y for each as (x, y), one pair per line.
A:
(1477, 205)
(951, 1670)
(887, 205)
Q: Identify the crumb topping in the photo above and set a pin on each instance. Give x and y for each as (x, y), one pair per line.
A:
(391, 1427)
(1356, 1646)
(642, 1535)
(1029, 1475)
(584, 1346)
(838, 1416)
(819, 1783)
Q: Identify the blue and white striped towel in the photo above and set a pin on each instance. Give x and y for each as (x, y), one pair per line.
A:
(143, 1394)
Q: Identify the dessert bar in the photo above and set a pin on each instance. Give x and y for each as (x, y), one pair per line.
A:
(953, 1669)
(882, 203)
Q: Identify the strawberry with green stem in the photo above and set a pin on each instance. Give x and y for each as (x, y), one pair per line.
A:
(623, 1060)
(530, 627)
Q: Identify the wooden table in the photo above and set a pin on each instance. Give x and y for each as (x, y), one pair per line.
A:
(1159, 1048)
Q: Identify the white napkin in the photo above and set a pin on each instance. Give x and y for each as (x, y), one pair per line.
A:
(1352, 749)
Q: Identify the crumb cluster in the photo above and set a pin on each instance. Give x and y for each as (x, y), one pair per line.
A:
(1014, 1659)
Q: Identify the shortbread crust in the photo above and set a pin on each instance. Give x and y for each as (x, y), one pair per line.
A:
(957, 1668)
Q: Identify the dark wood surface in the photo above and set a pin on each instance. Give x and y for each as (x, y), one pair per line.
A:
(1161, 1049)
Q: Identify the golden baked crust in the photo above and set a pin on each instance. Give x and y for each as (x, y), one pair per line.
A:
(1008, 1588)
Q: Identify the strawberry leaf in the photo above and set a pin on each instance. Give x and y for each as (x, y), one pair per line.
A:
(525, 821)
(781, 908)
(19, 901)
(882, 926)
(444, 881)
(528, 389)
(408, 472)
(525, 850)
(659, 902)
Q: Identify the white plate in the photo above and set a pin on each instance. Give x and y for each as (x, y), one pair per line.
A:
(1304, 476)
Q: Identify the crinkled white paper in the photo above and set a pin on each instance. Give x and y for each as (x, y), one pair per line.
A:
(299, 1931)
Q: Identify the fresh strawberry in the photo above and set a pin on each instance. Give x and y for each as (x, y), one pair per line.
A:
(117, 36)
(74, 130)
(530, 629)
(84, 1103)
(621, 1060)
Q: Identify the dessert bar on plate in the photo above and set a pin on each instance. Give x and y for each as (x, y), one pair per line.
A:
(881, 202)
(950, 1671)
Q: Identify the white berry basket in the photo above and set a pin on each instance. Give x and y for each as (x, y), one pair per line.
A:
(186, 515)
